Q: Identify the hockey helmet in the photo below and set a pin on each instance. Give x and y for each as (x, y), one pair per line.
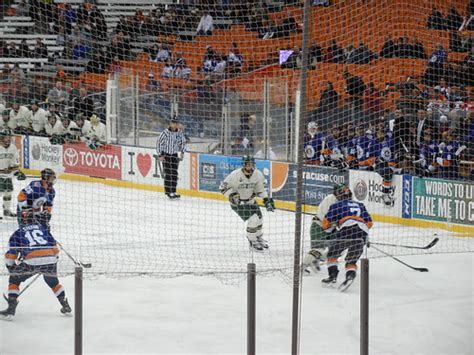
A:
(48, 176)
(342, 191)
(248, 163)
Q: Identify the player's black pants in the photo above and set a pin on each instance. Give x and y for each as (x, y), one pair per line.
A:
(351, 239)
(386, 172)
(170, 172)
(23, 272)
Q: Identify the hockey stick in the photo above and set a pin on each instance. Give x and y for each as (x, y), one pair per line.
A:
(160, 166)
(428, 246)
(78, 263)
(24, 288)
(421, 269)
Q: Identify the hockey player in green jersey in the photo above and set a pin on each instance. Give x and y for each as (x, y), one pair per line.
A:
(242, 186)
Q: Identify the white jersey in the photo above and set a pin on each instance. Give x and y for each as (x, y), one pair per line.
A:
(38, 119)
(8, 159)
(56, 129)
(99, 132)
(247, 187)
(86, 130)
(324, 206)
(22, 118)
(70, 129)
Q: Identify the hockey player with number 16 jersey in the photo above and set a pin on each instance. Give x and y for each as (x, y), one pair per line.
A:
(242, 186)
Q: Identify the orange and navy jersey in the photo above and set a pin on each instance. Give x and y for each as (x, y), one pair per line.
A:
(35, 245)
(36, 196)
(346, 213)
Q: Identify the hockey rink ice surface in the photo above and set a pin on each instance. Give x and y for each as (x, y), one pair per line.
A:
(124, 232)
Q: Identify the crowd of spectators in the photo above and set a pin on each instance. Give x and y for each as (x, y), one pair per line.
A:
(63, 115)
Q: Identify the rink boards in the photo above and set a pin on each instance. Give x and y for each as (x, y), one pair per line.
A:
(420, 202)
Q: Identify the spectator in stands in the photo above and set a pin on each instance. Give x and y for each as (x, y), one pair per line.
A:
(97, 24)
(70, 17)
(15, 90)
(206, 24)
(234, 59)
(83, 13)
(11, 51)
(119, 46)
(152, 84)
(58, 95)
(168, 70)
(334, 53)
(363, 55)
(287, 26)
(20, 118)
(237, 148)
(388, 48)
(349, 57)
(80, 50)
(97, 63)
(17, 73)
(436, 20)
(22, 9)
(294, 60)
(373, 102)
(163, 53)
(40, 50)
(38, 118)
(182, 71)
(268, 29)
(220, 67)
(24, 50)
(417, 49)
(329, 99)
(83, 103)
(315, 53)
(453, 20)
(355, 88)
(438, 103)
(435, 68)
(460, 42)
(424, 124)
(247, 131)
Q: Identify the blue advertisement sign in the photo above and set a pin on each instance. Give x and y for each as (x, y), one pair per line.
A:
(406, 196)
(213, 169)
(318, 182)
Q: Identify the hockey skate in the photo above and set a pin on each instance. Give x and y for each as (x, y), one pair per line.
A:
(263, 242)
(311, 262)
(10, 311)
(256, 245)
(332, 278)
(66, 308)
(8, 213)
(350, 276)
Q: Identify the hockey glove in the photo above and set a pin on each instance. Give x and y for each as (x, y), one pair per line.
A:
(19, 175)
(269, 204)
(234, 198)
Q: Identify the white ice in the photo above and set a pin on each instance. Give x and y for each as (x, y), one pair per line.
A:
(123, 232)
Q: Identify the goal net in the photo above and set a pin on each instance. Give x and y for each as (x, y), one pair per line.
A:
(87, 88)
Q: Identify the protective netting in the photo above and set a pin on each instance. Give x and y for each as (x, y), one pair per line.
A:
(389, 113)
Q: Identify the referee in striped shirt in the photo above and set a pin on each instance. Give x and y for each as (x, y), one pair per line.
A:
(170, 146)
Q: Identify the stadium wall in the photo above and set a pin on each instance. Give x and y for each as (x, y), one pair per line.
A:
(419, 202)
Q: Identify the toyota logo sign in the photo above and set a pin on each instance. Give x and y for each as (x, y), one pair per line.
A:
(71, 157)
